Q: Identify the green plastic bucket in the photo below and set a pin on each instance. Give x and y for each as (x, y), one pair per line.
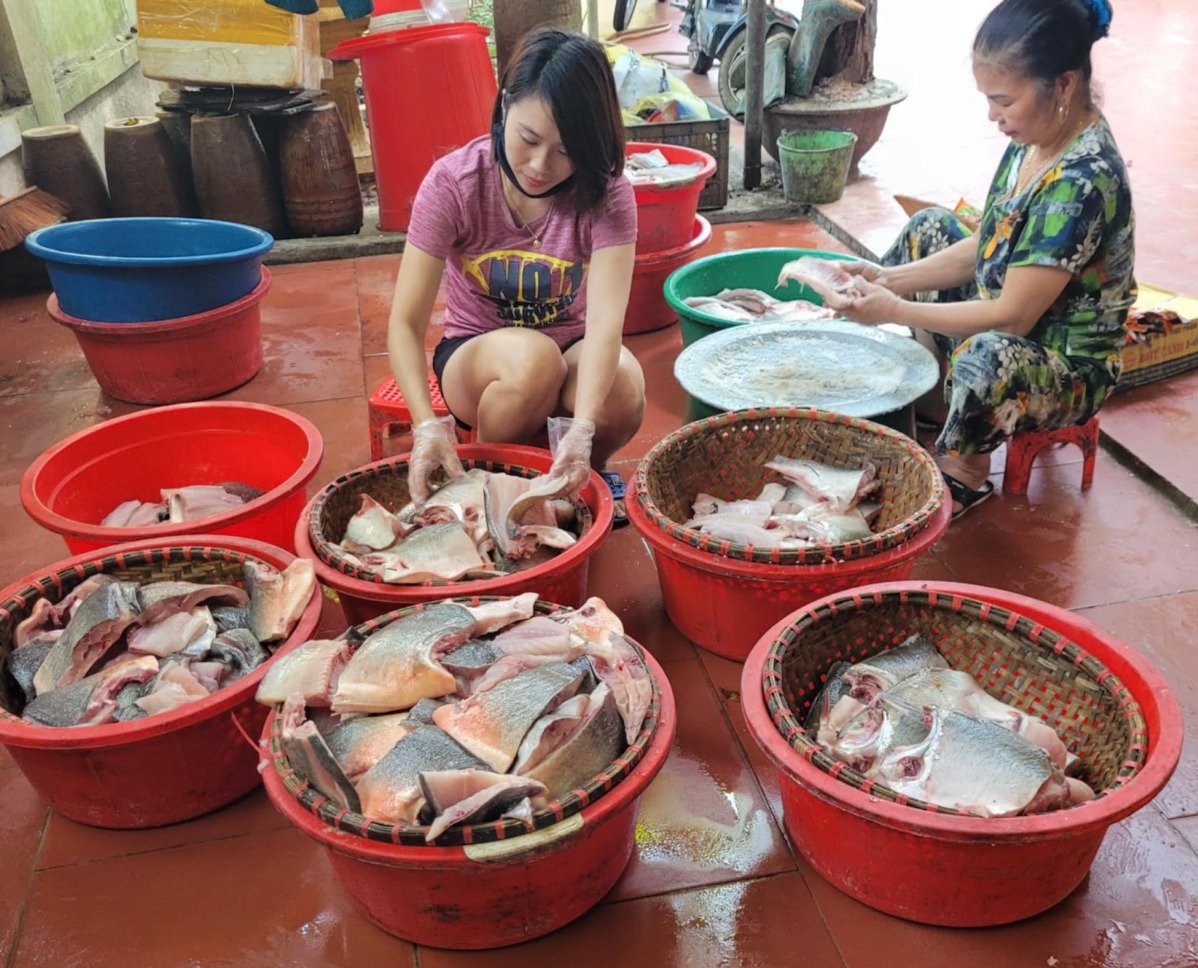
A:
(741, 269)
(815, 164)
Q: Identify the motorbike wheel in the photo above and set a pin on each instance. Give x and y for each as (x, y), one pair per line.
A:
(623, 14)
(699, 60)
(730, 80)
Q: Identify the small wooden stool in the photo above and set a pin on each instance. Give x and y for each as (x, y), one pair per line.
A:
(1022, 450)
(389, 414)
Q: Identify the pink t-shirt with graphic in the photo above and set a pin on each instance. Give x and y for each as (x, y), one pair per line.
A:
(495, 276)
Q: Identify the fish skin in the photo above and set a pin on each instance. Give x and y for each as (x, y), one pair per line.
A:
(228, 618)
(977, 767)
(397, 666)
(589, 750)
(492, 724)
(472, 656)
(436, 552)
(239, 650)
(462, 492)
(834, 687)
(159, 599)
(39, 621)
(311, 758)
(494, 794)
(277, 598)
(24, 662)
(841, 487)
(423, 711)
(358, 744)
(310, 670)
(881, 671)
(390, 790)
(91, 700)
(95, 627)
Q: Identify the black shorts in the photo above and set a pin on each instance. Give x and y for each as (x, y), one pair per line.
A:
(445, 349)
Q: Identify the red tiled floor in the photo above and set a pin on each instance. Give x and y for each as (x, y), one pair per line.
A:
(762, 923)
(703, 820)
(20, 841)
(236, 888)
(1164, 630)
(265, 899)
(68, 843)
(1137, 909)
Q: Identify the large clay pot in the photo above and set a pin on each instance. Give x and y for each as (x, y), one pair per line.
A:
(144, 175)
(58, 160)
(320, 181)
(233, 179)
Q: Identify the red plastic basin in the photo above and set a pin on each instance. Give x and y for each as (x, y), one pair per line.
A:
(647, 307)
(488, 895)
(960, 870)
(160, 769)
(725, 605)
(74, 484)
(563, 579)
(665, 214)
(173, 360)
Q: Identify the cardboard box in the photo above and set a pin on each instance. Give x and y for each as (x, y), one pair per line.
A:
(228, 42)
(1165, 354)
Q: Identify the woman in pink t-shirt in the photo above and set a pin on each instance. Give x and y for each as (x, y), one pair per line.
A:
(525, 223)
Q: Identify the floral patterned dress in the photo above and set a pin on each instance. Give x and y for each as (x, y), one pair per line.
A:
(1075, 216)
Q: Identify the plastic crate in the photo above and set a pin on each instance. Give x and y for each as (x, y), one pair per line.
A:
(710, 136)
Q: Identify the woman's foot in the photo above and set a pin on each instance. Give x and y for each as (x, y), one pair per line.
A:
(967, 479)
(616, 483)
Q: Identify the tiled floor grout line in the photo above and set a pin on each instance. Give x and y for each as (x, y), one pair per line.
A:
(1185, 505)
(19, 926)
(1136, 601)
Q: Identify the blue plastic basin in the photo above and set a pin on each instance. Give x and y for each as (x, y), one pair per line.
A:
(135, 270)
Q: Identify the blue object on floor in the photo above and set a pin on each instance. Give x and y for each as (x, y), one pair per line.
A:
(351, 8)
(136, 270)
(616, 483)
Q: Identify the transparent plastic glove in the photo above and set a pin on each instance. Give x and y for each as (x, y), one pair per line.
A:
(432, 450)
(570, 443)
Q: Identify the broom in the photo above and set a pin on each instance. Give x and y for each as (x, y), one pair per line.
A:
(27, 211)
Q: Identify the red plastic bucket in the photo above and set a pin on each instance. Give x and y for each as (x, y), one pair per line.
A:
(961, 871)
(501, 893)
(428, 91)
(665, 215)
(173, 360)
(647, 307)
(562, 579)
(725, 605)
(160, 769)
(75, 483)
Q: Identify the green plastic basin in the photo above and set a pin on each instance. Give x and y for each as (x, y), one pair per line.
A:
(744, 269)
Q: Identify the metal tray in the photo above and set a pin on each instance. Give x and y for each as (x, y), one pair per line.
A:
(835, 365)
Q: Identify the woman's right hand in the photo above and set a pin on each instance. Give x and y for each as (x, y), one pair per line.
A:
(869, 271)
(432, 450)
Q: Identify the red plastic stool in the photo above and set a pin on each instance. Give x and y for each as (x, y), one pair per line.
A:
(389, 414)
(1022, 450)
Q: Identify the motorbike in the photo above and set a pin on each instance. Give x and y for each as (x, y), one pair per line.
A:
(718, 31)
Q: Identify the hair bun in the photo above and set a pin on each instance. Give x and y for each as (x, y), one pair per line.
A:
(1100, 18)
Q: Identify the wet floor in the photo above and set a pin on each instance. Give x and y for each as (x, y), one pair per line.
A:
(714, 880)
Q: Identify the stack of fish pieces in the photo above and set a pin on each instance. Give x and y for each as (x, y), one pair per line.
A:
(905, 719)
(481, 526)
(818, 505)
(114, 651)
(188, 503)
(454, 713)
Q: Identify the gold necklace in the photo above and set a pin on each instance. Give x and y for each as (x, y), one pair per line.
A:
(1022, 181)
(534, 236)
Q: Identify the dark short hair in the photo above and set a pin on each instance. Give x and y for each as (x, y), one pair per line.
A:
(571, 73)
(1042, 39)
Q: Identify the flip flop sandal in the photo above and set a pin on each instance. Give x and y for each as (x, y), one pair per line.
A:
(616, 483)
(966, 496)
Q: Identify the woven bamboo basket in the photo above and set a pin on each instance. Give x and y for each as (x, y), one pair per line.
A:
(414, 834)
(1105, 701)
(387, 482)
(725, 456)
(162, 768)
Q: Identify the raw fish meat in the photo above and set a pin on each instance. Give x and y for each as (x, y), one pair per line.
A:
(277, 598)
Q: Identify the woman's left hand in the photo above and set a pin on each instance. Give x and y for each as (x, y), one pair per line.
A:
(867, 303)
